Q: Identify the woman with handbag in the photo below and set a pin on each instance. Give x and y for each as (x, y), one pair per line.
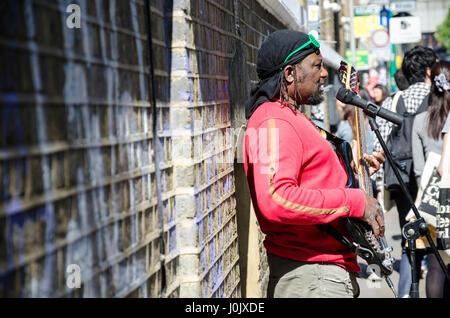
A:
(427, 138)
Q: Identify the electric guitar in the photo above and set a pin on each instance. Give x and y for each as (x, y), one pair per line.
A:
(374, 251)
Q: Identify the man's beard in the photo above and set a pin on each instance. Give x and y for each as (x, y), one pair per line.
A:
(315, 99)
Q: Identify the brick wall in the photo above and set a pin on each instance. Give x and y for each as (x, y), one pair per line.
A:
(212, 257)
(220, 45)
(77, 163)
(254, 25)
(139, 195)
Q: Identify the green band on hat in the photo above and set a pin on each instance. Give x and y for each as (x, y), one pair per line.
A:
(312, 40)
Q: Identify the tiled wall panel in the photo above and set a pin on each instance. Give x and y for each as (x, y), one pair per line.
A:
(84, 178)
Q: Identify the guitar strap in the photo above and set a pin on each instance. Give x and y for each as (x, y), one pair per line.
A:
(326, 227)
(338, 145)
(343, 150)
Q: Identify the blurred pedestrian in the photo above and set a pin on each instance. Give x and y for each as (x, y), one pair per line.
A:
(400, 80)
(402, 84)
(380, 93)
(445, 133)
(416, 68)
(426, 134)
(444, 164)
(344, 128)
(347, 128)
(426, 138)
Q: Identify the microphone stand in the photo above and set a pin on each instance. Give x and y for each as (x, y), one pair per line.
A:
(414, 229)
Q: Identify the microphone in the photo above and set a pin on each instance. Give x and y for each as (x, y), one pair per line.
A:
(348, 97)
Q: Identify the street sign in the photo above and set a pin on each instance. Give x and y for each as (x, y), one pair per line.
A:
(364, 25)
(403, 5)
(313, 15)
(380, 38)
(380, 47)
(372, 9)
(362, 58)
(385, 15)
(405, 30)
(382, 2)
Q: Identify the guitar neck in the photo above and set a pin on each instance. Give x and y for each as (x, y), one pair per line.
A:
(361, 138)
(348, 77)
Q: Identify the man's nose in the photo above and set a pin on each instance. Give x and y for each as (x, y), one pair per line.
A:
(323, 72)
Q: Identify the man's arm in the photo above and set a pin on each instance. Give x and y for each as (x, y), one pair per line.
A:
(275, 168)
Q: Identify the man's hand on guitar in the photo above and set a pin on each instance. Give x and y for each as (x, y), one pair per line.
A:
(373, 215)
(374, 160)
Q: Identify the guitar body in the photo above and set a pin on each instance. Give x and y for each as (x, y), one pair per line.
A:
(374, 251)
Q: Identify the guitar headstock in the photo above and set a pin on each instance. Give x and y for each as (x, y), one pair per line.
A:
(349, 77)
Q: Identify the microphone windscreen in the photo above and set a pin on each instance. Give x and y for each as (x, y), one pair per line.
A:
(344, 95)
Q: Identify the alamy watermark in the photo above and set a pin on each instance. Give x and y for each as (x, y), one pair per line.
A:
(73, 277)
(226, 146)
(374, 278)
(74, 19)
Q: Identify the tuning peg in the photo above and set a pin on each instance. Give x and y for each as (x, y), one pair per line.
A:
(387, 262)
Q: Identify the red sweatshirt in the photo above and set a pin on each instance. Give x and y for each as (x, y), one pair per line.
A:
(296, 181)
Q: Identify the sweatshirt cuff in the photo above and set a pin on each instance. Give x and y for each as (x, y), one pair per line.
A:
(357, 199)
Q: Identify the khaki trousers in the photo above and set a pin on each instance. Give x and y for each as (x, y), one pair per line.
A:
(294, 279)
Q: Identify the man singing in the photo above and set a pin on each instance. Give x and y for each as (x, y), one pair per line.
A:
(295, 178)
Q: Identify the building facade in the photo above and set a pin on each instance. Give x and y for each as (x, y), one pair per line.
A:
(119, 170)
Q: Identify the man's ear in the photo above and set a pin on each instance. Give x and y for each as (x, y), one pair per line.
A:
(428, 72)
(288, 73)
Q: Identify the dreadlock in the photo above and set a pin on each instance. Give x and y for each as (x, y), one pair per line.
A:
(284, 95)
